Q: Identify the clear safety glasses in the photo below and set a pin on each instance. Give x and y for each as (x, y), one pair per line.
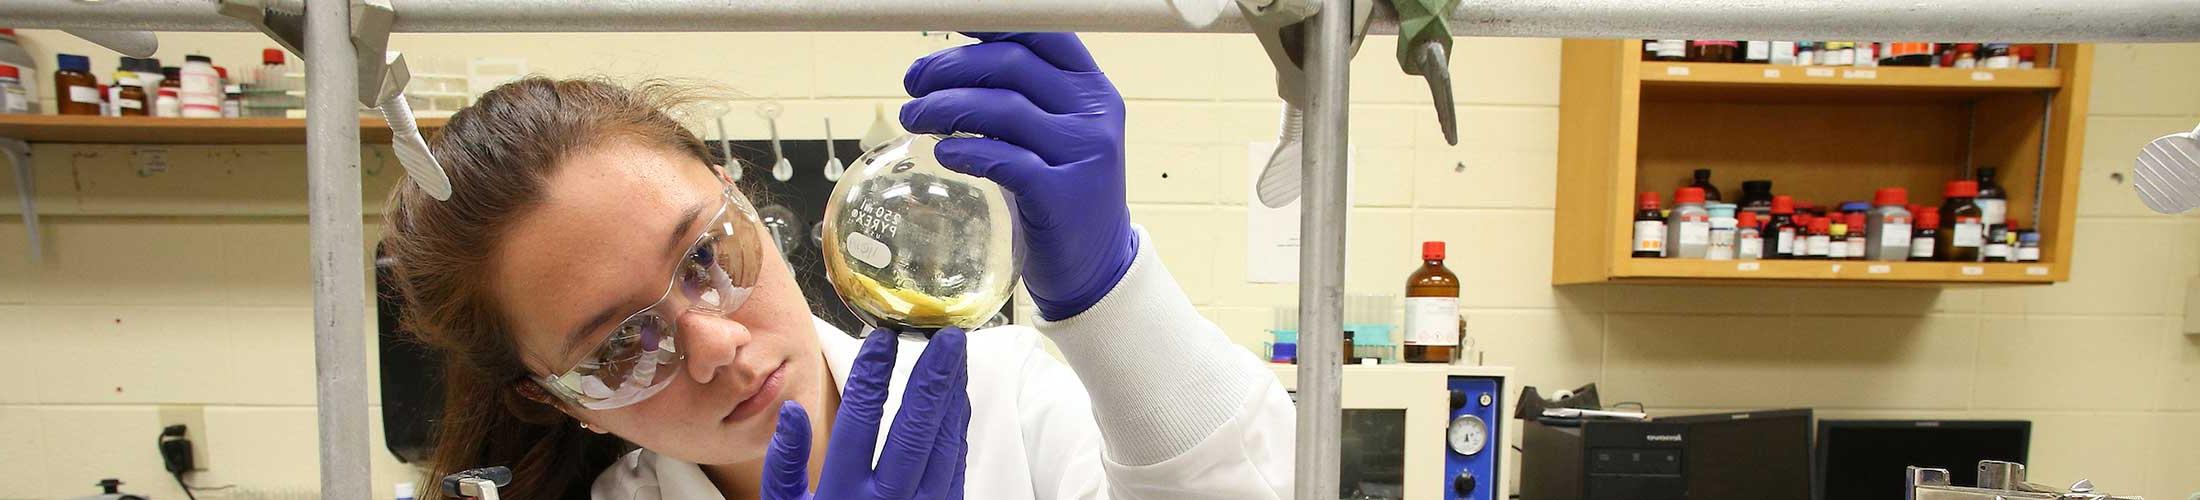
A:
(641, 355)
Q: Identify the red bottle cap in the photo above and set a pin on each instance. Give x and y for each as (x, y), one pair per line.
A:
(1688, 195)
(1820, 225)
(1961, 189)
(1891, 196)
(1432, 250)
(168, 92)
(1783, 204)
(7, 71)
(2026, 52)
(7, 31)
(271, 56)
(1928, 220)
(2012, 223)
(1647, 200)
(222, 72)
(1966, 47)
(1856, 221)
(1747, 219)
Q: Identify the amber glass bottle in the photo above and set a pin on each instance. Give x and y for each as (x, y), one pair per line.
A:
(1432, 309)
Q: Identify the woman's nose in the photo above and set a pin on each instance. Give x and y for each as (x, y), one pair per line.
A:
(710, 342)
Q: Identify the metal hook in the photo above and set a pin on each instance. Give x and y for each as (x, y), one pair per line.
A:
(781, 168)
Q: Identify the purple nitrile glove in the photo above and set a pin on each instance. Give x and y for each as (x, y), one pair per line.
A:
(1054, 128)
(924, 455)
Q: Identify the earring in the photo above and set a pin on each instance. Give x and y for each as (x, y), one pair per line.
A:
(584, 425)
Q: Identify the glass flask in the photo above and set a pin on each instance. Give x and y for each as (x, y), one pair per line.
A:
(914, 247)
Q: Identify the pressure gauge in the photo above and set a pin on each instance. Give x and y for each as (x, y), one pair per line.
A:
(1468, 435)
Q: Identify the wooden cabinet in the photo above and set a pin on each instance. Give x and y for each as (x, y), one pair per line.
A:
(1821, 134)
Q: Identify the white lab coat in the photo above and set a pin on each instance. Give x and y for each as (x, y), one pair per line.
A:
(1173, 410)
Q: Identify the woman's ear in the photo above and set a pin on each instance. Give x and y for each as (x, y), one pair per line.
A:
(724, 174)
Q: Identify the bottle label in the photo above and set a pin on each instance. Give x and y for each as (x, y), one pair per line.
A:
(1993, 212)
(1856, 247)
(1997, 251)
(83, 94)
(1695, 232)
(1673, 48)
(1785, 244)
(1649, 236)
(1759, 51)
(1432, 321)
(1969, 233)
(17, 101)
(130, 103)
(1750, 248)
(1837, 248)
(2028, 254)
(1818, 244)
(1921, 247)
(869, 251)
(1722, 245)
(1892, 235)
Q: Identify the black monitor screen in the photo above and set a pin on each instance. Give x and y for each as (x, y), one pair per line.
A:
(1866, 459)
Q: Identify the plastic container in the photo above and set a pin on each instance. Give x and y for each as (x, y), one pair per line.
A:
(1887, 227)
(1688, 226)
(1723, 236)
(26, 68)
(200, 89)
(14, 99)
(74, 88)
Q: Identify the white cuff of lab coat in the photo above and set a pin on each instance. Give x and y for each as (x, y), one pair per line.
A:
(1162, 377)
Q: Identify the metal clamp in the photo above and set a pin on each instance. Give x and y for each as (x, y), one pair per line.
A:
(19, 152)
(477, 484)
(382, 74)
(1424, 48)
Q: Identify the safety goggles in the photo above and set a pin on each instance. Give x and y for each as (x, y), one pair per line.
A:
(641, 355)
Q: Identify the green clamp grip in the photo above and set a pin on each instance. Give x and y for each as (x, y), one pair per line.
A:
(1421, 22)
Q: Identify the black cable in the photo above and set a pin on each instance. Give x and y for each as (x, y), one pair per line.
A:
(186, 487)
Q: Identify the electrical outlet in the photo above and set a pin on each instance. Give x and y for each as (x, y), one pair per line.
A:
(193, 418)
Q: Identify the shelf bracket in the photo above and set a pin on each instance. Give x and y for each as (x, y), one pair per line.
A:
(19, 153)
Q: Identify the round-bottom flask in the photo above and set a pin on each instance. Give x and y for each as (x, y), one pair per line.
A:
(914, 247)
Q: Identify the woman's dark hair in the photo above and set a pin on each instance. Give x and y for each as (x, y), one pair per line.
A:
(499, 153)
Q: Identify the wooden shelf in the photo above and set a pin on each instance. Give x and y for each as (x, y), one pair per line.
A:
(1743, 82)
(1832, 271)
(148, 130)
(1821, 134)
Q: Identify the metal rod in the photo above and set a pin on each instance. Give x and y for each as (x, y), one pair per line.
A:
(26, 187)
(2000, 20)
(339, 264)
(1322, 251)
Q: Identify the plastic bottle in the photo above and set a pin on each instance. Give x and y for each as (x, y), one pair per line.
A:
(1993, 200)
(129, 96)
(1723, 228)
(1966, 225)
(1887, 227)
(150, 74)
(232, 101)
(1432, 309)
(1818, 244)
(1688, 226)
(26, 68)
(1649, 227)
(200, 88)
(14, 99)
(1749, 241)
(75, 90)
(269, 84)
(1781, 233)
(2028, 245)
(1837, 238)
(1923, 240)
(1703, 181)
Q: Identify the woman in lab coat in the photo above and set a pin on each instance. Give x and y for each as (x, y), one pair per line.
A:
(569, 359)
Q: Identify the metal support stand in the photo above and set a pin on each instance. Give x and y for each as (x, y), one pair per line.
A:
(1321, 250)
(19, 153)
(339, 263)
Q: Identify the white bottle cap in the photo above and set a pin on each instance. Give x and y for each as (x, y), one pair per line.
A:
(404, 491)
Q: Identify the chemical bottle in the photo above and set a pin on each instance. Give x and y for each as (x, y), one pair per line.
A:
(149, 74)
(1672, 50)
(1432, 309)
(75, 90)
(269, 84)
(169, 104)
(1749, 241)
(14, 99)
(1649, 227)
(1966, 225)
(1722, 232)
(200, 88)
(1688, 226)
(2028, 245)
(129, 96)
(1887, 227)
(1703, 181)
(1818, 244)
(1757, 198)
(1857, 236)
(26, 69)
(1837, 237)
(124, 79)
(1993, 200)
(1780, 232)
(1923, 241)
(1997, 248)
(232, 101)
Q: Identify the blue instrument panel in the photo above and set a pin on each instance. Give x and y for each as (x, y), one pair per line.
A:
(1473, 425)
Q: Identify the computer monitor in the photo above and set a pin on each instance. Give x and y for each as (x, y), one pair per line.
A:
(1866, 459)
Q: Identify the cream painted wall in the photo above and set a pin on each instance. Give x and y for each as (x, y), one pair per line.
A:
(191, 286)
